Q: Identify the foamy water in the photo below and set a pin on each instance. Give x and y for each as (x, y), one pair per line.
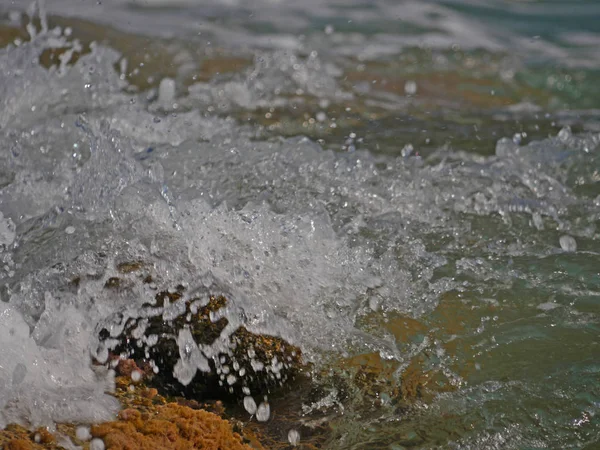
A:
(304, 241)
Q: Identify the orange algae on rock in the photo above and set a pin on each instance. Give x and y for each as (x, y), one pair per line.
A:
(171, 427)
(146, 422)
(17, 437)
(18, 444)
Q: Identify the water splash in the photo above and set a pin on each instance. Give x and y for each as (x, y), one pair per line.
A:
(304, 242)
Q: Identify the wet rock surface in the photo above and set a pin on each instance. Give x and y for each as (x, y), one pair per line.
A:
(190, 349)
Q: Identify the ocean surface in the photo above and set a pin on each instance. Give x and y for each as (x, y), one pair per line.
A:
(407, 190)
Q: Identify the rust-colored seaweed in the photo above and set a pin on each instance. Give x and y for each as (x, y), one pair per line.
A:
(171, 426)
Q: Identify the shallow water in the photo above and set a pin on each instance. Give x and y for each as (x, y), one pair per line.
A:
(410, 191)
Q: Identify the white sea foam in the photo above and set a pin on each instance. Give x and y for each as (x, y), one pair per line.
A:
(46, 377)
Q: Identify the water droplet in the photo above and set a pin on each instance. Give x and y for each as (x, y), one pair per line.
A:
(505, 147)
(565, 133)
(166, 91)
(407, 150)
(568, 243)
(410, 87)
(374, 303)
(293, 437)
(250, 405)
(97, 444)
(538, 222)
(517, 138)
(263, 412)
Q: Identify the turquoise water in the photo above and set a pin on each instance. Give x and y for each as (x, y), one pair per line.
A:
(410, 191)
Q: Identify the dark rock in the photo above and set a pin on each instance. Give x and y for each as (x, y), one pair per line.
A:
(241, 363)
